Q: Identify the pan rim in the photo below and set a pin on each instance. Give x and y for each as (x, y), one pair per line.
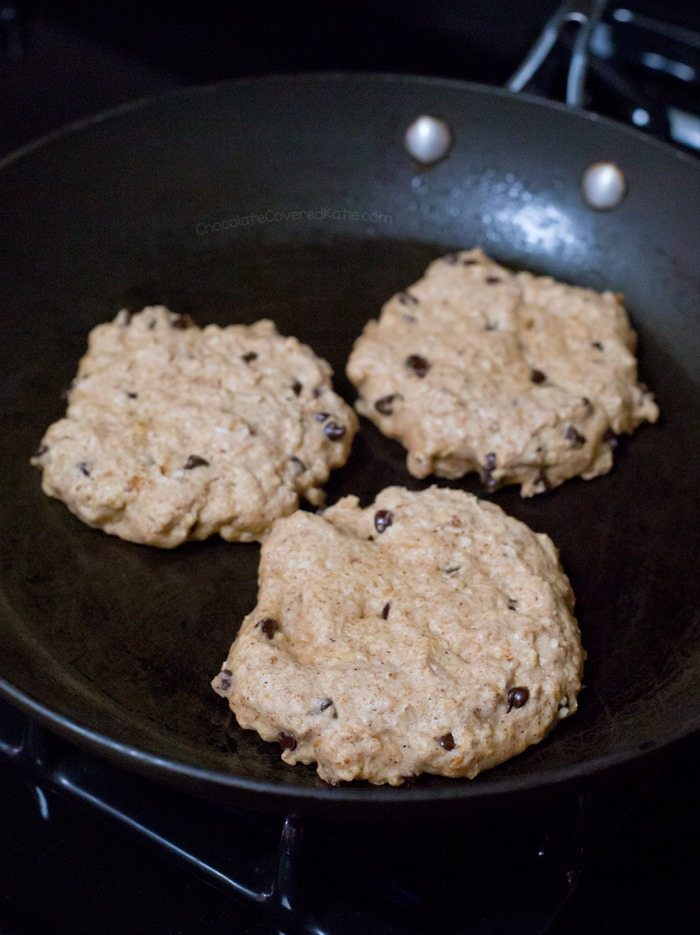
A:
(127, 755)
(302, 77)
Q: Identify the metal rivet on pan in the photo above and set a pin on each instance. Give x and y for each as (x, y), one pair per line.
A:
(603, 185)
(428, 139)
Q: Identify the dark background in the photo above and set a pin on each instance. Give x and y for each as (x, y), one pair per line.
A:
(81, 57)
(62, 61)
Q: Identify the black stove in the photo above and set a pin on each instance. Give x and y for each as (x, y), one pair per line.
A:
(85, 846)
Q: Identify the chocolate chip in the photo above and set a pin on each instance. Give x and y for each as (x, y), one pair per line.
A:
(182, 322)
(385, 610)
(517, 697)
(41, 450)
(249, 356)
(610, 438)
(321, 416)
(333, 431)
(452, 569)
(132, 395)
(297, 388)
(383, 519)
(287, 740)
(486, 471)
(224, 681)
(405, 298)
(573, 436)
(418, 364)
(385, 404)
(597, 345)
(152, 323)
(298, 464)
(324, 704)
(512, 603)
(84, 469)
(268, 626)
(451, 259)
(194, 461)
(492, 280)
(491, 326)
(537, 376)
(447, 742)
(316, 392)
(588, 404)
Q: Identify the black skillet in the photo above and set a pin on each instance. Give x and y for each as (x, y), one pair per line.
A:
(113, 645)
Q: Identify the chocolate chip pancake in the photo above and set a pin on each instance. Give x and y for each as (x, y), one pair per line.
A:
(427, 633)
(522, 378)
(175, 432)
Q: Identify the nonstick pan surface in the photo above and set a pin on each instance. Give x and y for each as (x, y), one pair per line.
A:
(112, 644)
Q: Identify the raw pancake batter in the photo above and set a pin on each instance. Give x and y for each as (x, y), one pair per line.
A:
(175, 432)
(429, 633)
(519, 377)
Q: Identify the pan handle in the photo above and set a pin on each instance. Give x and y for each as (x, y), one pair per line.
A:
(586, 14)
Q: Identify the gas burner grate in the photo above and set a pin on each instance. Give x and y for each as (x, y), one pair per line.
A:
(516, 871)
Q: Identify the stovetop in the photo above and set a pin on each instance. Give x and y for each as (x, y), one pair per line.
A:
(71, 58)
(86, 846)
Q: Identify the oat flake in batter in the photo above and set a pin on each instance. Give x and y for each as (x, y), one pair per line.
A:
(428, 633)
(175, 432)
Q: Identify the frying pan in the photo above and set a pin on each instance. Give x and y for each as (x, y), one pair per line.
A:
(293, 198)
